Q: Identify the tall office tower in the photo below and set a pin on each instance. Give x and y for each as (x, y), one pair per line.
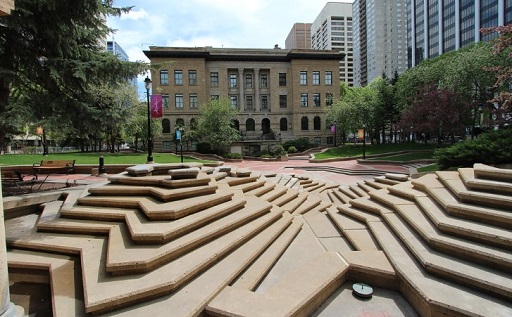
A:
(380, 39)
(332, 30)
(115, 49)
(436, 27)
(299, 36)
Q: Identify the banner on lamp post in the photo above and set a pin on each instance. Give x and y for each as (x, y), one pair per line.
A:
(156, 106)
(333, 129)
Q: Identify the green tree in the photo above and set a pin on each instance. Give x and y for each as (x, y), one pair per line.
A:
(50, 55)
(215, 125)
(136, 127)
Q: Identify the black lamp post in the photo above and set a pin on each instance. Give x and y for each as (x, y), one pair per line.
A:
(150, 137)
(181, 142)
(335, 128)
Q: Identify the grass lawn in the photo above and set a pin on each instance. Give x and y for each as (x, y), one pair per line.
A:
(93, 158)
(405, 157)
(428, 168)
(350, 150)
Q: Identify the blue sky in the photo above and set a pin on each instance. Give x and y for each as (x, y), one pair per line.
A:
(217, 23)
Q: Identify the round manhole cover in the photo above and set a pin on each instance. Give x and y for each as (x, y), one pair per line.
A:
(362, 290)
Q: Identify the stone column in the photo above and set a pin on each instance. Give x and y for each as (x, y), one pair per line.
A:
(241, 87)
(257, 89)
(7, 309)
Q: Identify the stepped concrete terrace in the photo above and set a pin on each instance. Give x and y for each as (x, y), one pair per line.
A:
(193, 240)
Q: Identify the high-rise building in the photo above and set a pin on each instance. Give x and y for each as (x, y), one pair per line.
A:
(299, 36)
(436, 27)
(116, 49)
(332, 30)
(380, 39)
(280, 94)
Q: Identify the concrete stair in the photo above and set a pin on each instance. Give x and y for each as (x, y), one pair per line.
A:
(231, 242)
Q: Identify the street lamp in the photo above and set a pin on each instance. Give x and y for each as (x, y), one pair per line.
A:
(335, 127)
(147, 81)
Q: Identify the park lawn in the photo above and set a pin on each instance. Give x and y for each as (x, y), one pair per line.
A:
(351, 150)
(406, 157)
(93, 158)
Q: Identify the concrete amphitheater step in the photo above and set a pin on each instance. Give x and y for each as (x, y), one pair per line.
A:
(275, 193)
(355, 232)
(432, 295)
(347, 191)
(432, 186)
(483, 171)
(286, 298)
(255, 273)
(493, 186)
(449, 267)
(260, 191)
(310, 203)
(454, 246)
(234, 181)
(337, 197)
(163, 194)
(453, 182)
(289, 196)
(160, 180)
(103, 292)
(246, 187)
(386, 180)
(482, 233)
(156, 210)
(375, 185)
(60, 270)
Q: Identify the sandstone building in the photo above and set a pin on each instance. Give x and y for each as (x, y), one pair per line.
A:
(280, 94)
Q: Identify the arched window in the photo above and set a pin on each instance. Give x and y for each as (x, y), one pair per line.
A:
(316, 123)
(304, 123)
(166, 126)
(193, 124)
(283, 124)
(250, 125)
(180, 123)
(235, 124)
(265, 126)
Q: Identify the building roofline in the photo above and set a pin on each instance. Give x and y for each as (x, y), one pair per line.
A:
(242, 54)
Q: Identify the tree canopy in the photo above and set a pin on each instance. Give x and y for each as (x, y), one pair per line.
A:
(215, 125)
(51, 53)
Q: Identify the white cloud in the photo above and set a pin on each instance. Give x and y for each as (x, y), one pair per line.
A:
(220, 23)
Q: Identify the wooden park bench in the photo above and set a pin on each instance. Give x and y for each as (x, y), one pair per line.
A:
(55, 166)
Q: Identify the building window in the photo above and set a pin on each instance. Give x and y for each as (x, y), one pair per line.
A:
(165, 101)
(249, 102)
(316, 100)
(263, 80)
(164, 77)
(328, 78)
(316, 78)
(178, 77)
(248, 80)
(214, 97)
(250, 125)
(316, 123)
(166, 145)
(166, 126)
(282, 79)
(318, 141)
(214, 79)
(283, 124)
(192, 99)
(328, 99)
(192, 77)
(303, 100)
(264, 102)
(179, 100)
(283, 101)
(232, 81)
(303, 78)
(304, 124)
(234, 101)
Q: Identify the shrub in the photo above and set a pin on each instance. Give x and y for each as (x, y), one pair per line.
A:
(292, 149)
(300, 145)
(493, 147)
(204, 148)
(233, 156)
(276, 150)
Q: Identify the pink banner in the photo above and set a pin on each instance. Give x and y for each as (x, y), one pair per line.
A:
(333, 128)
(156, 106)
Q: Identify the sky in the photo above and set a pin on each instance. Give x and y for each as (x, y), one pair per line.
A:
(217, 23)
